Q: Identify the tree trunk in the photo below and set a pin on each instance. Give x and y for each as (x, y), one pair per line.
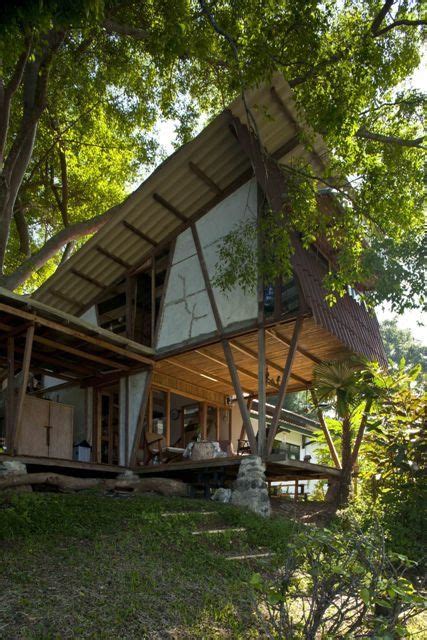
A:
(163, 486)
(345, 480)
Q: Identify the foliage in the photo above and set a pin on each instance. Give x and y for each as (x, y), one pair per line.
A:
(400, 344)
(336, 583)
(105, 72)
(393, 460)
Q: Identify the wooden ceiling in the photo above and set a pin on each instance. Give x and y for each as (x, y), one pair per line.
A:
(207, 367)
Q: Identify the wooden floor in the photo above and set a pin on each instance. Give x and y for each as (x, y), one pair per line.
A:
(68, 467)
(277, 468)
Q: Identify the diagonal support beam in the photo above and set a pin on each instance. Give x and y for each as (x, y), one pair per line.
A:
(240, 397)
(327, 433)
(284, 383)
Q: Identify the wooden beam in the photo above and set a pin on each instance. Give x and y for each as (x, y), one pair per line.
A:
(87, 278)
(23, 387)
(222, 363)
(58, 294)
(140, 423)
(85, 355)
(208, 286)
(240, 398)
(164, 291)
(77, 334)
(330, 443)
(113, 257)
(203, 408)
(130, 306)
(201, 373)
(10, 397)
(167, 205)
(273, 365)
(60, 363)
(246, 175)
(139, 233)
(204, 178)
(261, 393)
(13, 332)
(283, 384)
(286, 341)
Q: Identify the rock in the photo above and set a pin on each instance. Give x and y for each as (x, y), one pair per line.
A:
(128, 474)
(12, 468)
(250, 489)
(222, 495)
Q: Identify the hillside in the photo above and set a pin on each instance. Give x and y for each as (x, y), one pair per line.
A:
(85, 566)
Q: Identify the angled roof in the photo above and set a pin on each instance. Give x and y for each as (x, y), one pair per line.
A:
(176, 192)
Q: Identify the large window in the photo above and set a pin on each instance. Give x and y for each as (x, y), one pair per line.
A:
(291, 451)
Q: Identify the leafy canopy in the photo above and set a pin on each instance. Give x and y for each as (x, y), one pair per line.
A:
(117, 66)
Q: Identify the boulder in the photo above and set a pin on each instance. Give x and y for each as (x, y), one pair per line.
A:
(250, 488)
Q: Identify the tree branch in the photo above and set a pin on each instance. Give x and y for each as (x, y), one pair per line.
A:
(379, 137)
(381, 16)
(400, 23)
(22, 230)
(6, 94)
(54, 244)
(124, 29)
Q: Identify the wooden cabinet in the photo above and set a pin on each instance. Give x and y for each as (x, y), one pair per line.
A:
(46, 429)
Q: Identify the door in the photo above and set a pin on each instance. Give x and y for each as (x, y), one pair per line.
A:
(46, 429)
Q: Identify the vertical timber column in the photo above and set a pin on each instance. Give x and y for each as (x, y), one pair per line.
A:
(262, 444)
(284, 383)
(10, 406)
(130, 306)
(23, 388)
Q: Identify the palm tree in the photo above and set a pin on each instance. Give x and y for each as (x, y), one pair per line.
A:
(345, 385)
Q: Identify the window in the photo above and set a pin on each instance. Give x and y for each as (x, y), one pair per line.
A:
(292, 451)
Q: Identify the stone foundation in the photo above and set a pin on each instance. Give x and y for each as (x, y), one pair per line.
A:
(250, 489)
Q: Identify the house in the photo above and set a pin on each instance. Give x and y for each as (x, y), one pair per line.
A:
(132, 333)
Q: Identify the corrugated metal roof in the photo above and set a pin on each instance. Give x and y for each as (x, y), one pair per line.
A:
(216, 152)
(347, 319)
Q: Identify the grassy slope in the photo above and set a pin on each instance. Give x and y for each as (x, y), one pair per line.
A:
(85, 566)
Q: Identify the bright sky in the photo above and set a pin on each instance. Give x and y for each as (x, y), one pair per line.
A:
(413, 320)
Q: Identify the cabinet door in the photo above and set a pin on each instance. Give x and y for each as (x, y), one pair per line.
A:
(61, 433)
(33, 435)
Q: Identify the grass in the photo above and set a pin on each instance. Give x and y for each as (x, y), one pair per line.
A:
(90, 566)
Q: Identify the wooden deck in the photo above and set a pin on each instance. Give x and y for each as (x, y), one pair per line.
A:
(278, 468)
(67, 467)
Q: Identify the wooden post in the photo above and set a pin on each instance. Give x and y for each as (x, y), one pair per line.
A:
(146, 396)
(153, 301)
(203, 410)
(10, 398)
(331, 446)
(240, 397)
(262, 443)
(23, 388)
(261, 393)
(168, 419)
(296, 491)
(283, 384)
(130, 306)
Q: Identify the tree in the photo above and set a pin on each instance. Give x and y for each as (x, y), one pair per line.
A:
(83, 81)
(351, 393)
(400, 343)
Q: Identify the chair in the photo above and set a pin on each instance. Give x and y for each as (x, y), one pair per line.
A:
(153, 446)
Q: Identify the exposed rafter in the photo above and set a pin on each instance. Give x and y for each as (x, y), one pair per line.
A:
(170, 207)
(113, 257)
(139, 233)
